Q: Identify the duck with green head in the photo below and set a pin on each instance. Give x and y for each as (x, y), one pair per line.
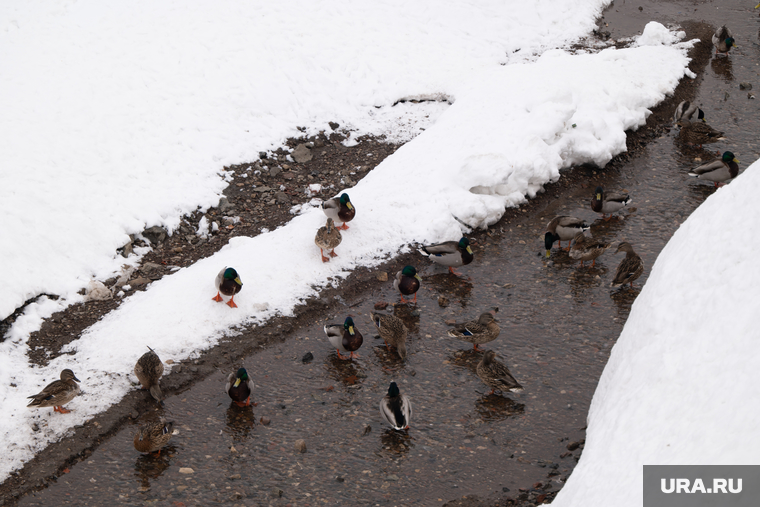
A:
(407, 282)
(718, 171)
(340, 209)
(449, 253)
(239, 387)
(723, 40)
(396, 408)
(228, 283)
(351, 339)
(562, 228)
(609, 203)
(335, 334)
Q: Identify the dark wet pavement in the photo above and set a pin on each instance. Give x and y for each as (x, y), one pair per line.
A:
(558, 325)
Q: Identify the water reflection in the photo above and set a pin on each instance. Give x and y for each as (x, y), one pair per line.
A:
(457, 290)
(723, 67)
(396, 442)
(468, 359)
(347, 372)
(409, 315)
(495, 407)
(240, 421)
(623, 298)
(151, 466)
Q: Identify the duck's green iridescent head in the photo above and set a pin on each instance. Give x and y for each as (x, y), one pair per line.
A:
(231, 274)
(393, 389)
(730, 42)
(549, 239)
(464, 244)
(348, 325)
(345, 201)
(241, 375)
(410, 271)
(598, 192)
(729, 157)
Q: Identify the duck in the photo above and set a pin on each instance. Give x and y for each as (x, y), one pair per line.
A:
(407, 282)
(630, 268)
(482, 330)
(698, 133)
(562, 228)
(228, 283)
(148, 370)
(340, 209)
(587, 249)
(239, 387)
(57, 393)
(449, 253)
(328, 238)
(153, 436)
(393, 332)
(608, 203)
(685, 110)
(496, 375)
(723, 40)
(350, 340)
(396, 408)
(718, 171)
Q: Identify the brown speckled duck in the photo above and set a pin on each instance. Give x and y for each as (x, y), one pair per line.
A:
(148, 370)
(480, 331)
(630, 268)
(328, 238)
(496, 375)
(698, 132)
(153, 436)
(57, 393)
(587, 249)
(392, 330)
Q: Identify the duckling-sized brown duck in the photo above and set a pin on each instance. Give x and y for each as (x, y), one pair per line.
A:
(480, 331)
(723, 40)
(153, 436)
(608, 203)
(392, 330)
(228, 283)
(496, 375)
(562, 228)
(328, 238)
(587, 249)
(718, 171)
(239, 387)
(407, 282)
(57, 393)
(698, 132)
(630, 268)
(340, 209)
(148, 370)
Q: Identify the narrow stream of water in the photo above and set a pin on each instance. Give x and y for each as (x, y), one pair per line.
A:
(558, 325)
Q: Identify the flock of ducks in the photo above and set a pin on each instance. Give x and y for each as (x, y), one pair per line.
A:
(395, 407)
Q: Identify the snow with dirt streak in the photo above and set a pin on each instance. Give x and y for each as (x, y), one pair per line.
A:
(121, 116)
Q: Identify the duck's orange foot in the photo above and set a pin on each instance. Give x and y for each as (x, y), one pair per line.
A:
(333, 254)
(61, 410)
(476, 348)
(404, 300)
(453, 272)
(354, 355)
(217, 298)
(343, 227)
(231, 302)
(241, 404)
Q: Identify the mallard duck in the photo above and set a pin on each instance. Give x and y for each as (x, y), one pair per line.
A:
(449, 253)
(328, 238)
(392, 330)
(562, 228)
(608, 203)
(396, 408)
(480, 331)
(630, 268)
(587, 249)
(718, 171)
(239, 387)
(699, 133)
(339, 209)
(407, 282)
(148, 370)
(723, 40)
(153, 436)
(496, 375)
(57, 393)
(686, 110)
(336, 332)
(228, 283)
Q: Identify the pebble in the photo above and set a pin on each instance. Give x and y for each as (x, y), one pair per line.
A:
(282, 197)
(181, 488)
(745, 86)
(307, 357)
(381, 305)
(186, 470)
(573, 446)
(340, 479)
(367, 429)
(155, 234)
(300, 445)
(265, 421)
(302, 154)
(276, 492)
(382, 276)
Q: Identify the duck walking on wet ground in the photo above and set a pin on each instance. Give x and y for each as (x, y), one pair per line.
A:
(449, 253)
(328, 238)
(396, 408)
(228, 283)
(496, 375)
(587, 249)
(630, 268)
(482, 330)
(57, 393)
(723, 40)
(339, 209)
(392, 330)
(153, 436)
(562, 228)
(609, 203)
(407, 282)
(239, 388)
(346, 333)
(148, 371)
(718, 171)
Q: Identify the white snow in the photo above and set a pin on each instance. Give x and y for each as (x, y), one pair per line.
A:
(680, 387)
(137, 108)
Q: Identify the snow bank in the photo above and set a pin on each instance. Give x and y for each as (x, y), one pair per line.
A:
(680, 385)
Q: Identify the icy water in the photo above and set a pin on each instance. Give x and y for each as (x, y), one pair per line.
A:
(558, 324)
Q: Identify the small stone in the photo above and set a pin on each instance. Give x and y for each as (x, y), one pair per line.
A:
(565, 455)
(236, 495)
(276, 493)
(177, 368)
(381, 305)
(234, 477)
(415, 313)
(340, 479)
(232, 448)
(282, 198)
(186, 470)
(224, 204)
(450, 322)
(367, 429)
(300, 446)
(302, 154)
(96, 291)
(505, 489)
(139, 281)
(308, 357)
(262, 155)
(265, 421)
(573, 446)
(194, 369)
(745, 86)
(181, 488)
(275, 171)
(750, 95)
(392, 477)
(641, 9)
(155, 234)
(443, 301)
(126, 250)
(382, 276)
(177, 249)
(334, 125)
(540, 498)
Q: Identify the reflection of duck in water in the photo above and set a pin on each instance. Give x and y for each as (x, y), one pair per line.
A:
(496, 408)
(240, 421)
(396, 408)
(496, 375)
(480, 331)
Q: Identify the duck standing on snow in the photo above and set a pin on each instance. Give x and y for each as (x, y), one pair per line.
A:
(608, 203)
(396, 408)
(723, 40)
(339, 209)
(587, 249)
(496, 375)
(153, 436)
(718, 171)
(449, 253)
(148, 370)
(239, 387)
(630, 268)
(686, 110)
(227, 283)
(480, 331)
(407, 282)
(562, 228)
(57, 393)
(328, 238)
(392, 330)
(336, 333)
